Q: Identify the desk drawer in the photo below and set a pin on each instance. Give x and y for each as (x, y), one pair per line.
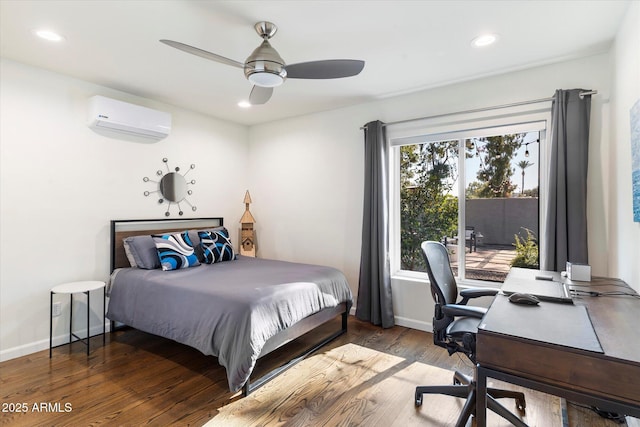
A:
(572, 369)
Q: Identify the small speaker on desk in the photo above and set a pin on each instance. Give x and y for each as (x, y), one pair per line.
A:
(579, 272)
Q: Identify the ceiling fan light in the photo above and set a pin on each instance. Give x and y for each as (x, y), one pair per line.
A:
(266, 79)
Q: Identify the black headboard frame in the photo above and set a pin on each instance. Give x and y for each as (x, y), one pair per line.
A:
(121, 229)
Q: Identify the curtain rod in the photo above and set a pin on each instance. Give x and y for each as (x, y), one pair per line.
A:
(478, 110)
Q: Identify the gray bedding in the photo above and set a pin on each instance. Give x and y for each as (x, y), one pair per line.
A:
(228, 309)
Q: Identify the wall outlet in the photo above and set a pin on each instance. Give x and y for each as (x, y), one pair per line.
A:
(56, 309)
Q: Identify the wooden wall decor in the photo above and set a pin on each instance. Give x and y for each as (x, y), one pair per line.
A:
(247, 233)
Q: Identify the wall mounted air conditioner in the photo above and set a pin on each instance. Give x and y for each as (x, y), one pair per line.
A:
(118, 116)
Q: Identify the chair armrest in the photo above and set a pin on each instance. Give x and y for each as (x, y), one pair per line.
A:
(463, 310)
(478, 292)
(467, 294)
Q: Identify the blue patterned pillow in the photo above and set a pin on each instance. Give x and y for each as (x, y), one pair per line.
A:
(216, 246)
(195, 240)
(175, 251)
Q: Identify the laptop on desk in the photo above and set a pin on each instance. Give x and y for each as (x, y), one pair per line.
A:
(545, 290)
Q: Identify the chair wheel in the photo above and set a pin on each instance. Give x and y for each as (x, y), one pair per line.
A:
(418, 401)
(456, 382)
(521, 404)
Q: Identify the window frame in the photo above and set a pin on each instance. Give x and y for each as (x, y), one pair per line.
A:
(504, 121)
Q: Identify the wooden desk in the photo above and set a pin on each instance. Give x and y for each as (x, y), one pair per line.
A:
(609, 379)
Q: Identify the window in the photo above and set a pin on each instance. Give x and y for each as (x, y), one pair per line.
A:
(475, 190)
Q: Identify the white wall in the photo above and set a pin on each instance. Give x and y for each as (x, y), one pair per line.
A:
(61, 184)
(624, 254)
(307, 172)
(306, 178)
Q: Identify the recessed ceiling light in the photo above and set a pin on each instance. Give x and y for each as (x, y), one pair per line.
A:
(49, 35)
(244, 104)
(484, 40)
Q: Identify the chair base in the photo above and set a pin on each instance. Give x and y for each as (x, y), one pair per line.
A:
(465, 387)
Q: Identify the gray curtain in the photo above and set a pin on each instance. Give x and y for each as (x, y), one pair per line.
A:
(566, 235)
(374, 288)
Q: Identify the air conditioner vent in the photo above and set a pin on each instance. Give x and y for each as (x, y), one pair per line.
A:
(118, 116)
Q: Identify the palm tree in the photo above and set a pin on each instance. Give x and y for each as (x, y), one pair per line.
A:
(523, 164)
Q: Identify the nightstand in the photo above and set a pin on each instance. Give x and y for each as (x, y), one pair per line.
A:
(71, 288)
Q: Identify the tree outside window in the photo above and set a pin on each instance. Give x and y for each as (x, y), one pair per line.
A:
(429, 195)
(428, 209)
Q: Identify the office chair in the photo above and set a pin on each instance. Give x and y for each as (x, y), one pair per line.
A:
(454, 327)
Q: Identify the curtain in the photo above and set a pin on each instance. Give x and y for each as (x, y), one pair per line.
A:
(374, 288)
(566, 217)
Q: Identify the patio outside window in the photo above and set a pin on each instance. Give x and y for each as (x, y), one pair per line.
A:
(476, 193)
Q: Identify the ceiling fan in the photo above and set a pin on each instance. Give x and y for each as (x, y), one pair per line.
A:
(266, 69)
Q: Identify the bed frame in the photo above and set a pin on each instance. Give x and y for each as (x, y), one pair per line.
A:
(121, 229)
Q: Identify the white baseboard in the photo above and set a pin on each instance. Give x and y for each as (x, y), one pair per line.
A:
(413, 324)
(34, 347)
(406, 322)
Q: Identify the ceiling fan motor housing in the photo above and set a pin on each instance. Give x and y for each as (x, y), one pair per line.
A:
(264, 67)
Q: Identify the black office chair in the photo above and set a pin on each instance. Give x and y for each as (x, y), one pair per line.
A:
(454, 327)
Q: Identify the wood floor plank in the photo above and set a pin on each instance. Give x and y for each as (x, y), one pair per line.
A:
(365, 377)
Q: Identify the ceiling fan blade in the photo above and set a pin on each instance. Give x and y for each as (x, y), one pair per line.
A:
(203, 53)
(260, 95)
(328, 69)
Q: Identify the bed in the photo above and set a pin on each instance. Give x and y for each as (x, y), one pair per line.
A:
(238, 310)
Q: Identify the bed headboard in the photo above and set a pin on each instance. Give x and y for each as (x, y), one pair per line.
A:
(121, 229)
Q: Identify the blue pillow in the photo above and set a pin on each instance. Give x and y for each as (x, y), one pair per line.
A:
(175, 251)
(216, 246)
(195, 240)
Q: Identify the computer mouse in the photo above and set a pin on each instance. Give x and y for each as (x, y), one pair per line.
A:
(522, 298)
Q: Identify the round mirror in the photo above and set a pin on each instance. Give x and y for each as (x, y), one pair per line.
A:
(173, 187)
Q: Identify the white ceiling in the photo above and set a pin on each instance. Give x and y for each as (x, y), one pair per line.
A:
(407, 45)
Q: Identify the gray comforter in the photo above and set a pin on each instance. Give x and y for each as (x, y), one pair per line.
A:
(228, 309)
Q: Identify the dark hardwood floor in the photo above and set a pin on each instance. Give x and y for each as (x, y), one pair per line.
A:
(365, 377)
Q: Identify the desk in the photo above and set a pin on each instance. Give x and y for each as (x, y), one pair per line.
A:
(608, 379)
